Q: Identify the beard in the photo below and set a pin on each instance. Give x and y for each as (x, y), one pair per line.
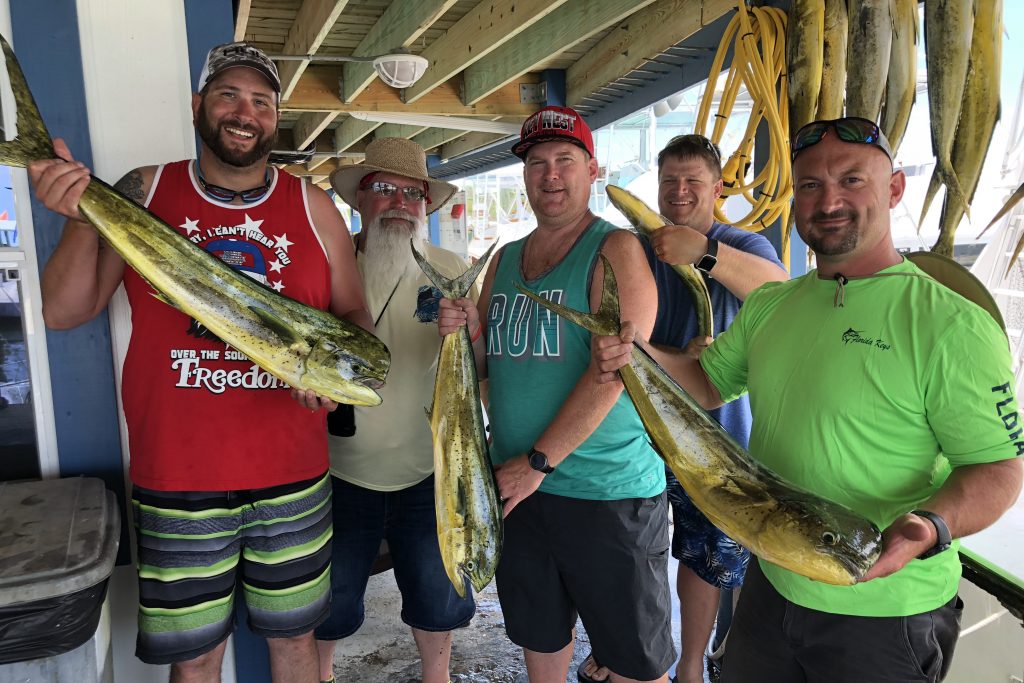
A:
(387, 255)
(210, 134)
(833, 243)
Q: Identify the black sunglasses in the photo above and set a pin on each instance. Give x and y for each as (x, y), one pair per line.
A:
(223, 194)
(848, 129)
(411, 194)
(694, 138)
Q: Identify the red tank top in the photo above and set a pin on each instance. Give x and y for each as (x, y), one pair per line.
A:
(201, 416)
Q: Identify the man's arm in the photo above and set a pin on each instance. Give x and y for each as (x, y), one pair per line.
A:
(589, 402)
(84, 271)
(740, 272)
(971, 499)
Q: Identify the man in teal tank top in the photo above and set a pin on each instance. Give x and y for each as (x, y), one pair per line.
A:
(873, 385)
(586, 528)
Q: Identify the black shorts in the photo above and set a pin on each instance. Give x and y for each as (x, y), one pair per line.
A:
(773, 640)
(606, 560)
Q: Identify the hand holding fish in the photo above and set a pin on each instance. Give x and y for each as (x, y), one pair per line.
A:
(516, 481)
(696, 346)
(609, 353)
(60, 182)
(905, 539)
(307, 398)
(679, 244)
(454, 313)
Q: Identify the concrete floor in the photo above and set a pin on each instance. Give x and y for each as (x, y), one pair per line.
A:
(383, 650)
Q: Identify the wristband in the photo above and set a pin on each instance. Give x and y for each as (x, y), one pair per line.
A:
(479, 331)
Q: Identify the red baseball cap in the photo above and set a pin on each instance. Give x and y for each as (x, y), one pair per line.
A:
(553, 124)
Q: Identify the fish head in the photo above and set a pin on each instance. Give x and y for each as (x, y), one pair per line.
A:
(347, 372)
(824, 541)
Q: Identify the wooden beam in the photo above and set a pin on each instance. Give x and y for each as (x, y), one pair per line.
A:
(637, 40)
(485, 28)
(468, 143)
(318, 91)
(351, 131)
(242, 19)
(309, 126)
(397, 130)
(402, 23)
(435, 137)
(312, 24)
(567, 26)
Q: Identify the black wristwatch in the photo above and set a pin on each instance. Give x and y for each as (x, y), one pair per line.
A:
(539, 461)
(944, 540)
(708, 260)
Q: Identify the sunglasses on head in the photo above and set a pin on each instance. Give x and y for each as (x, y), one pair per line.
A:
(411, 194)
(694, 138)
(223, 194)
(848, 129)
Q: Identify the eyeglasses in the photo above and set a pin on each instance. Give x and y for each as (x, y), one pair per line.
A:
(411, 194)
(694, 138)
(223, 194)
(849, 129)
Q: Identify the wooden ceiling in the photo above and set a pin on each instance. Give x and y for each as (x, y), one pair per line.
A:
(480, 53)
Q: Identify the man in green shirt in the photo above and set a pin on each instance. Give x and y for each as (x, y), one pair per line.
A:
(875, 386)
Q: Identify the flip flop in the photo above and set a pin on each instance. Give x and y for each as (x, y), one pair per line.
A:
(584, 678)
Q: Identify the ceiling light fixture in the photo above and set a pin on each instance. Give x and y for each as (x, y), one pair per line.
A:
(397, 69)
(438, 121)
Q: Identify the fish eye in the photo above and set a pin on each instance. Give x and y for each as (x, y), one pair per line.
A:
(829, 538)
(470, 565)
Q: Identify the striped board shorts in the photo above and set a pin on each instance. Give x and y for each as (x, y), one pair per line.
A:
(193, 547)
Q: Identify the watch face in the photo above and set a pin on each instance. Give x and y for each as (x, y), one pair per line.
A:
(539, 462)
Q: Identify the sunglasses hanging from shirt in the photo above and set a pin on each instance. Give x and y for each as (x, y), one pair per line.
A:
(223, 194)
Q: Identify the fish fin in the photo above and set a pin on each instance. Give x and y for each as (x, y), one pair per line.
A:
(162, 299)
(430, 412)
(952, 183)
(604, 321)
(1010, 203)
(456, 287)
(929, 196)
(279, 327)
(33, 141)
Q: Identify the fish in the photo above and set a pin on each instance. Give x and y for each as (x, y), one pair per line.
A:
(805, 34)
(776, 520)
(867, 48)
(948, 29)
(302, 346)
(469, 512)
(901, 85)
(646, 221)
(833, 65)
(979, 113)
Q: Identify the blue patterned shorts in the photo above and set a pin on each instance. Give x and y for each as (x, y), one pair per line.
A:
(700, 545)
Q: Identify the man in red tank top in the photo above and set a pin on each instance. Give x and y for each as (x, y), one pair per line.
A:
(229, 466)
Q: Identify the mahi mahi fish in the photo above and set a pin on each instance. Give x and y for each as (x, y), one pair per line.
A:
(867, 57)
(901, 85)
(805, 35)
(833, 64)
(777, 521)
(302, 346)
(646, 221)
(469, 524)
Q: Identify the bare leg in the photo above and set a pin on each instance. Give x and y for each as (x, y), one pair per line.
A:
(548, 667)
(615, 678)
(325, 651)
(203, 669)
(435, 654)
(293, 660)
(698, 605)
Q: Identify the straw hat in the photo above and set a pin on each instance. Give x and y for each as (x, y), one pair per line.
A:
(391, 155)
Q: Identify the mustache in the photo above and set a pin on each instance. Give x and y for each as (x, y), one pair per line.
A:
(247, 127)
(398, 213)
(822, 216)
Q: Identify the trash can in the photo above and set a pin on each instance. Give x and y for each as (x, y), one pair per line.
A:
(58, 543)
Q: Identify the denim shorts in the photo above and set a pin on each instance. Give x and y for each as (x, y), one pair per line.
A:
(406, 518)
(702, 546)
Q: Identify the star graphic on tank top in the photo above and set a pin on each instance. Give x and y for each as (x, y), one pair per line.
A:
(190, 226)
(282, 241)
(277, 286)
(275, 266)
(251, 226)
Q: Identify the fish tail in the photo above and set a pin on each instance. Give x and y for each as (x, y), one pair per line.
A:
(929, 196)
(605, 321)
(33, 141)
(453, 288)
(952, 183)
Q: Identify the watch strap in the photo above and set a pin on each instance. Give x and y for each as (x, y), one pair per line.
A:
(943, 539)
(710, 259)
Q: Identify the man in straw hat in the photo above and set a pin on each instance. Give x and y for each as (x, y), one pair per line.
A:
(586, 519)
(246, 459)
(384, 472)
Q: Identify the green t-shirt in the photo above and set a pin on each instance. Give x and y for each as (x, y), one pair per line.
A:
(868, 404)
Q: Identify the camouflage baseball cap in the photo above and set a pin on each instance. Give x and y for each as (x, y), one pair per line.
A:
(230, 55)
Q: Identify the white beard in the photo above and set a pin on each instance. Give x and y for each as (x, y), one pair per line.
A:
(388, 255)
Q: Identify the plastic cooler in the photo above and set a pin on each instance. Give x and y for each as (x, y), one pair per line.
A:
(58, 543)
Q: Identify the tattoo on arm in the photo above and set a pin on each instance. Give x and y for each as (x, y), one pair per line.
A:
(131, 186)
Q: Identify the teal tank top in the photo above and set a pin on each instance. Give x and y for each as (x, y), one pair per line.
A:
(535, 358)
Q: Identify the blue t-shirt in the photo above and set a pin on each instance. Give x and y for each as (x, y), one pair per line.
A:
(676, 323)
